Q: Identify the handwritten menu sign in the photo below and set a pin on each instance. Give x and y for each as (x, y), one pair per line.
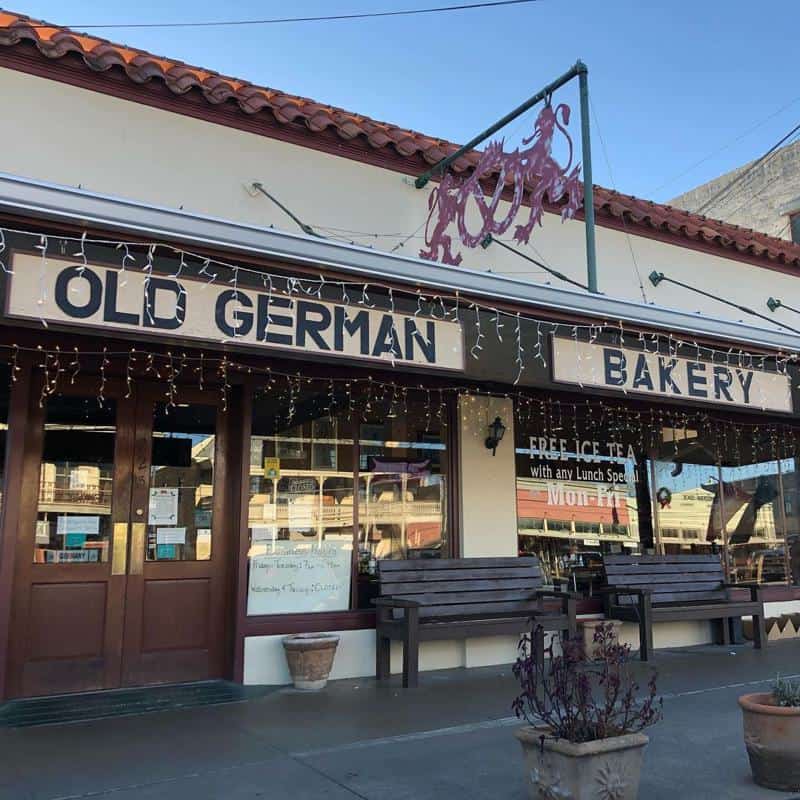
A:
(294, 577)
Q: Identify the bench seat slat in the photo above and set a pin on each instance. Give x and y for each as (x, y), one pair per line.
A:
(661, 579)
(469, 628)
(473, 609)
(662, 569)
(459, 597)
(391, 588)
(457, 575)
(675, 559)
(388, 565)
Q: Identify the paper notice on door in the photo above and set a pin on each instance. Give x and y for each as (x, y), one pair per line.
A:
(77, 523)
(163, 506)
(171, 536)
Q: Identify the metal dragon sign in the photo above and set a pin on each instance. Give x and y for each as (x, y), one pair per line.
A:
(531, 170)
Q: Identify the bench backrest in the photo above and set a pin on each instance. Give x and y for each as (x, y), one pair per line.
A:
(452, 587)
(671, 579)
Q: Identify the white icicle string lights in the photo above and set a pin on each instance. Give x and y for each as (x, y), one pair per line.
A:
(294, 285)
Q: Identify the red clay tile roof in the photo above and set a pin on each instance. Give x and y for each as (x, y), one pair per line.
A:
(101, 55)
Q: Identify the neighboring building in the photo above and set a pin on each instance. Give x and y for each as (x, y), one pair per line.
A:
(218, 425)
(767, 199)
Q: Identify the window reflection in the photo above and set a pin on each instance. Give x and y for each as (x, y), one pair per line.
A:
(402, 493)
(305, 543)
(73, 521)
(301, 507)
(726, 504)
(572, 509)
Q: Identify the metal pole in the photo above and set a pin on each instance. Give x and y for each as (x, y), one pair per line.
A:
(723, 524)
(442, 165)
(588, 186)
(658, 543)
(787, 565)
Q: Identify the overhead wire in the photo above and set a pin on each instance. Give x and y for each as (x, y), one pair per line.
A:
(759, 193)
(614, 187)
(724, 147)
(284, 20)
(744, 173)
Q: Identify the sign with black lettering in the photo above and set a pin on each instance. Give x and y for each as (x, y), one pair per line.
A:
(95, 296)
(623, 369)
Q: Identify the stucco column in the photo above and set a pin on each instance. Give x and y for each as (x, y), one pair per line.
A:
(488, 483)
(488, 504)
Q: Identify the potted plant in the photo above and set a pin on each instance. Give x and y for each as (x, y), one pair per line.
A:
(772, 735)
(583, 738)
(310, 658)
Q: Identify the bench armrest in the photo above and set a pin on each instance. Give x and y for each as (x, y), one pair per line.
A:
(395, 602)
(754, 590)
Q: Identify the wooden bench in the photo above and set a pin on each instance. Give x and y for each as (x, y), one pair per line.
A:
(459, 598)
(649, 589)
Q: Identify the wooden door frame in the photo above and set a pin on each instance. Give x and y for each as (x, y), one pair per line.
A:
(19, 428)
(25, 441)
(217, 567)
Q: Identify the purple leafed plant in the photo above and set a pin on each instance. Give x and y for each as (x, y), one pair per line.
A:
(581, 700)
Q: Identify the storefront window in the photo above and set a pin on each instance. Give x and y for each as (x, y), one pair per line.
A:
(734, 509)
(573, 507)
(402, 493)
(301, 505)
(314, 540)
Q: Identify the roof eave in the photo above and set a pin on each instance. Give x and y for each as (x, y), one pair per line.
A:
(77, 206)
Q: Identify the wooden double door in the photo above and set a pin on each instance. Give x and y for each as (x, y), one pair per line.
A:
(121, 561)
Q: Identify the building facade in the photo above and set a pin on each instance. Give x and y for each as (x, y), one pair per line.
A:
(218, 420)
(763, 196)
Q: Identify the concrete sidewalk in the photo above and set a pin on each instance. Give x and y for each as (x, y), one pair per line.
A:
(451, 738)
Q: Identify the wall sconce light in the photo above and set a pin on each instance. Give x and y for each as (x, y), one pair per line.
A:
(496, 432)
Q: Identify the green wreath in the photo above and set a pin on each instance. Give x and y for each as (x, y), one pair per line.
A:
(664, 496)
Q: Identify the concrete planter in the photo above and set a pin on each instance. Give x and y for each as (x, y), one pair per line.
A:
(555, 768)
(310, 658)
(772, 738)
(588, 628)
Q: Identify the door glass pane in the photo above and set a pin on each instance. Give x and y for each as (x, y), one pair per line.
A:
(179, 516)
(73, 521)
(402, 492)
(300, 516)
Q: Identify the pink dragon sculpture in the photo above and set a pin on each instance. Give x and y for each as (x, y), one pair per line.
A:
(531, 169)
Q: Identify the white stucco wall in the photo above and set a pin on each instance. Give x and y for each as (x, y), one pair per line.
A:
(488, 483)
(71, 136)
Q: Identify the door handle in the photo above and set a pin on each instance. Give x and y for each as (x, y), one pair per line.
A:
(119, 552)
(137, 548)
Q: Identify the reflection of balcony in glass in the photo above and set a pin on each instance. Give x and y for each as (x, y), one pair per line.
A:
(86, 499)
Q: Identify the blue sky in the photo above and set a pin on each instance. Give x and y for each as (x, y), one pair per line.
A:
(671, 82)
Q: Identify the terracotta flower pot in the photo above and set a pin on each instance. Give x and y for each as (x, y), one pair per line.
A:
(609, 769)
(772, 738)
(310, 658)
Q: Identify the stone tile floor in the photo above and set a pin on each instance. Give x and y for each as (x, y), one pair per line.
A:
(451, 738)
